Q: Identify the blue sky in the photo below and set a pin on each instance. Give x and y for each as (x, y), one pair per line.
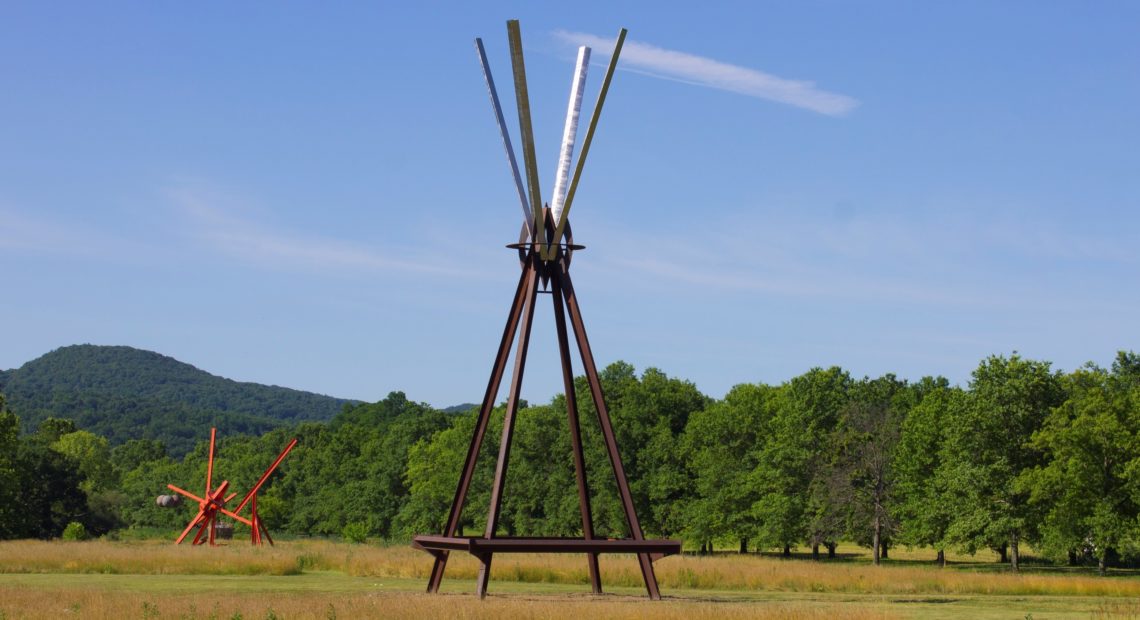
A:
(317, 197)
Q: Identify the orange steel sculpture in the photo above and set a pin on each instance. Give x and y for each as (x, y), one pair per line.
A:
(215, 501)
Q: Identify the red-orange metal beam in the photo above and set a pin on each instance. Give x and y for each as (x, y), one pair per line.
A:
(265, 476)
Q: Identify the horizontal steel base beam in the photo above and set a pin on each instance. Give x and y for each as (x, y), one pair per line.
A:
(480, 546)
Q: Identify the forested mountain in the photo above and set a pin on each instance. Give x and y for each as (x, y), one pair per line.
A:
(124, 393)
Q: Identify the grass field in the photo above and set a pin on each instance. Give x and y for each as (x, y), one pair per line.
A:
(317, 579)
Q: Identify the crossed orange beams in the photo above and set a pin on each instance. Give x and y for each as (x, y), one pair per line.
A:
(215, 502)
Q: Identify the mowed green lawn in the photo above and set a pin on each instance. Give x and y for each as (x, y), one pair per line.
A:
(307, 579)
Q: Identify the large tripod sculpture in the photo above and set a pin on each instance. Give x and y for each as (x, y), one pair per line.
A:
(557, 273)
(545, 259)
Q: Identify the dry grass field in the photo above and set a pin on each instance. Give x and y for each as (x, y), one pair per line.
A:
(318, 579)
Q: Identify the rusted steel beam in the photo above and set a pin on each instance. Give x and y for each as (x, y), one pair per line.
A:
(503, 461)
(512, 403)
(484, 573)
(489, 395)
(478, 545)
(575, 431)
(608, 436)
(561, 545)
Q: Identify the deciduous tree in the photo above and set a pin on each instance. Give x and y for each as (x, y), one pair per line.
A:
(1090, 442)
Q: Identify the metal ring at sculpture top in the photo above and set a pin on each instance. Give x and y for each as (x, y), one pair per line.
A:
(567, 249)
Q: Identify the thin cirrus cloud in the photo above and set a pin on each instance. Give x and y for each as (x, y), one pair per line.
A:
(700, 71)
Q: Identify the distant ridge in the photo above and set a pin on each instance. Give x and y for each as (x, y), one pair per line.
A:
(464, 408)
(126, 393)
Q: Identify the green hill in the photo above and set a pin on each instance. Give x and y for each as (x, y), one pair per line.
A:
(125, 393)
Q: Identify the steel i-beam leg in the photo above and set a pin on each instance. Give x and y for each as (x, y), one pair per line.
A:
(592, 378)
(575, 430)
(509, 424)
(493, 384)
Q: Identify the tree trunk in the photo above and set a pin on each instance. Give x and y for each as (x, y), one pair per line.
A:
(875, 540)
(1072, 558)
(787, 551)
(1100, 563)
(743, 545)
(704, 549)
(885, 546)
(941, 561)
(1014, 555)
(831, 550)
(815, 551)
(1003, 553)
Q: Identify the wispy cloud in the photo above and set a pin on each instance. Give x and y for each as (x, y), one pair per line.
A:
(936, 261)
(700, 71)
(245, 239)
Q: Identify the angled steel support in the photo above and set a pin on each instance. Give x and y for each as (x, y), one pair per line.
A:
(489, 395)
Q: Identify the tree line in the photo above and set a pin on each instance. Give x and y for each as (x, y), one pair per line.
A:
(1024, 455)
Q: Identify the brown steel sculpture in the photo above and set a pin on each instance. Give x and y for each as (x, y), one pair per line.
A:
(545, 250)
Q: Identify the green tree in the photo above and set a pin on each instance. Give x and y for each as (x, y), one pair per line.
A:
(648, 415)
(991, 455)
(863, 479)
(924, 508)
(51, 429)
(792, 458)
(147, 480)
(432, 473)
(353, 471)
(540, 495)
(92, 455)
(721, 446)
(386, 460)
(1091, 441)
(135, 452)
(649, 422)
(9, 474)
(48, 490)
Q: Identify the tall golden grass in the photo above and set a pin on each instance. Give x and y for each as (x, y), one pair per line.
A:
(105, 605)
(145, 558)
(724, 572)
(744, 572)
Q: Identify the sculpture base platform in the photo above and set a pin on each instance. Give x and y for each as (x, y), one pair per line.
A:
(479, 546)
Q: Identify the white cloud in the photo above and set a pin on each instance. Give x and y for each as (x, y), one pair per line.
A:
(933, 260)
(701, 71)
